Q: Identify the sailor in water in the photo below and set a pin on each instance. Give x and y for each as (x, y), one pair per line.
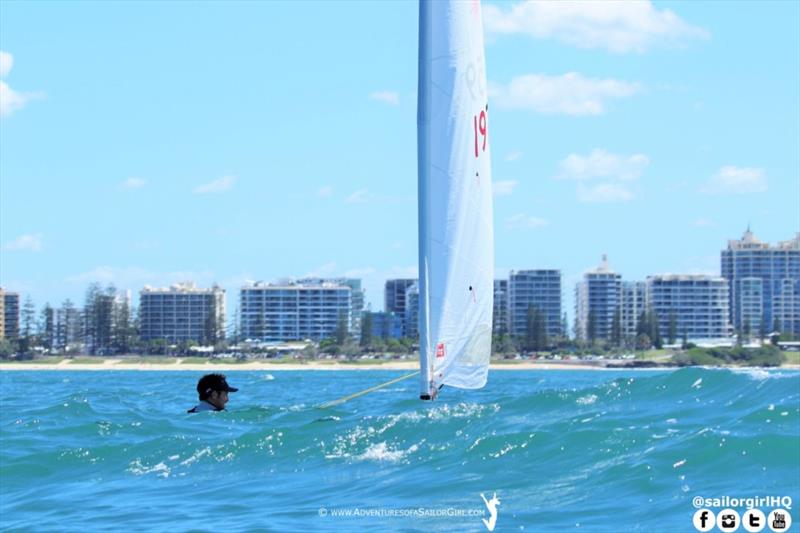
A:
(213, 391)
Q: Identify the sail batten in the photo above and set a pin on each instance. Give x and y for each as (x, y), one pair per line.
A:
(456, 250)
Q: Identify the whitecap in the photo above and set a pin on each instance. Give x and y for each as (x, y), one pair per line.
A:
(672, 421)
(586, 400)
(507, 448)
(679, 463)
(196, 456)
(381, 452)
(477, 441)
(756, 373)
(267, 377)
(696, 384)
(137, 468)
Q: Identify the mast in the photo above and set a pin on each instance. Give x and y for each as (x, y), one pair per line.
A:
(423, 181)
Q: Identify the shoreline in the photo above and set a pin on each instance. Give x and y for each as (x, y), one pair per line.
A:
(119, 364)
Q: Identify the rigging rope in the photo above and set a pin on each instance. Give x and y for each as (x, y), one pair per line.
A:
(366, 391)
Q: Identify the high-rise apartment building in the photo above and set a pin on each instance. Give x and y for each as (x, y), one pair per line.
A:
(289, 310)
(697, 303)
(356, 298)
(411, 318)
(395, 295)
(633, 305)
(394, 298)
(68, 327)
(182, 312)
(540, 289)
(10, 315)
(500, 324)
(598, 299)
(387, 325)
(764, 284)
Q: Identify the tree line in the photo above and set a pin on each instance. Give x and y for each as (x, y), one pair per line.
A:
(105, 325)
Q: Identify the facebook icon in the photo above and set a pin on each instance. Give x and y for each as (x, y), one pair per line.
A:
(704, 520)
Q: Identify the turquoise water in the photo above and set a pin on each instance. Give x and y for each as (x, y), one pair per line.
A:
(584, 451)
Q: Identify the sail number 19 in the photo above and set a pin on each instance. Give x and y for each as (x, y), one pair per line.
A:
(479, 127)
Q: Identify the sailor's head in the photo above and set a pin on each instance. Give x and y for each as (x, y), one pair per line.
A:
(214, 389)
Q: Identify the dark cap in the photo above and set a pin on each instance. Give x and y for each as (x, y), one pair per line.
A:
(213, 382)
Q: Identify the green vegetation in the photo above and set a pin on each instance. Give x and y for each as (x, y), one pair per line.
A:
(196, 360)
(87, 361)
(654, 355)
(792, 358)
(151, 359)
(54, 360)
(536, 330)
(737, 356)
(358, 362)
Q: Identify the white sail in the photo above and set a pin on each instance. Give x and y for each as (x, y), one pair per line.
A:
(456, 246)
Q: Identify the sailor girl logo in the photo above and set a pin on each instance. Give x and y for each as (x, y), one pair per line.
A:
(491, 505)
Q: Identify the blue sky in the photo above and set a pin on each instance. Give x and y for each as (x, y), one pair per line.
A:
(150, 143)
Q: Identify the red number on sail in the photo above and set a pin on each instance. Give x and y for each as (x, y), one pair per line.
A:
(479, 126)
(482, 128)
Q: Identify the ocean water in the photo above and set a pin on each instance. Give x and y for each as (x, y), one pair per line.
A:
(562, 450)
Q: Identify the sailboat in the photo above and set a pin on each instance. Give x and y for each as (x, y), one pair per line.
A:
(456, 243)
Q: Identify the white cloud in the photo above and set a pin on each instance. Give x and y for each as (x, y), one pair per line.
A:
(569, 94)
(324, 192)
(617, 26)
(608, 173)
(523, 221)
(736, 180)
(388, 97)
(11, 100)
(503, 187)
(360, 196)
(29, 243)
(6, 62)
(514, 156)
(602, 164)
(223, 184)
(133, 183)
(602, 193)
